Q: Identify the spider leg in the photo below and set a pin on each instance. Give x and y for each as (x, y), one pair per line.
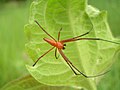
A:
(56, 54)
(73, 67)
(59, 34)
(44, 30)
(97, 39)
(71, 40)
(84, 34)
(43, 55)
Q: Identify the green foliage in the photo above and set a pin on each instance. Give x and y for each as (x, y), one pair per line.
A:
(112, 7)
(29, 83)
(10, 0)
(75, 17)
(13, 18)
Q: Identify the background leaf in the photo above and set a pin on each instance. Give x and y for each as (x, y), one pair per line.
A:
(29, 83)
(95, 57)
(13, 17)
(112, 8)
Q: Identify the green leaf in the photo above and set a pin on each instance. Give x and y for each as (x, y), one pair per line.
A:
(75, 17)
(29, 83)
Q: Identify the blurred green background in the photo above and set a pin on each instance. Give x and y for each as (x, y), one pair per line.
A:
(14, 15)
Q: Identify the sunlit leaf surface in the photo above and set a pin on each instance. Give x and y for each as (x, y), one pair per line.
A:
(76, 18)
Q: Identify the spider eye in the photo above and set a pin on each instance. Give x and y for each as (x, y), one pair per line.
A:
(63, 48)
(64, 44)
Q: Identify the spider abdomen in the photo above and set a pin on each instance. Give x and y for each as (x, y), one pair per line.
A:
(54, 43)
